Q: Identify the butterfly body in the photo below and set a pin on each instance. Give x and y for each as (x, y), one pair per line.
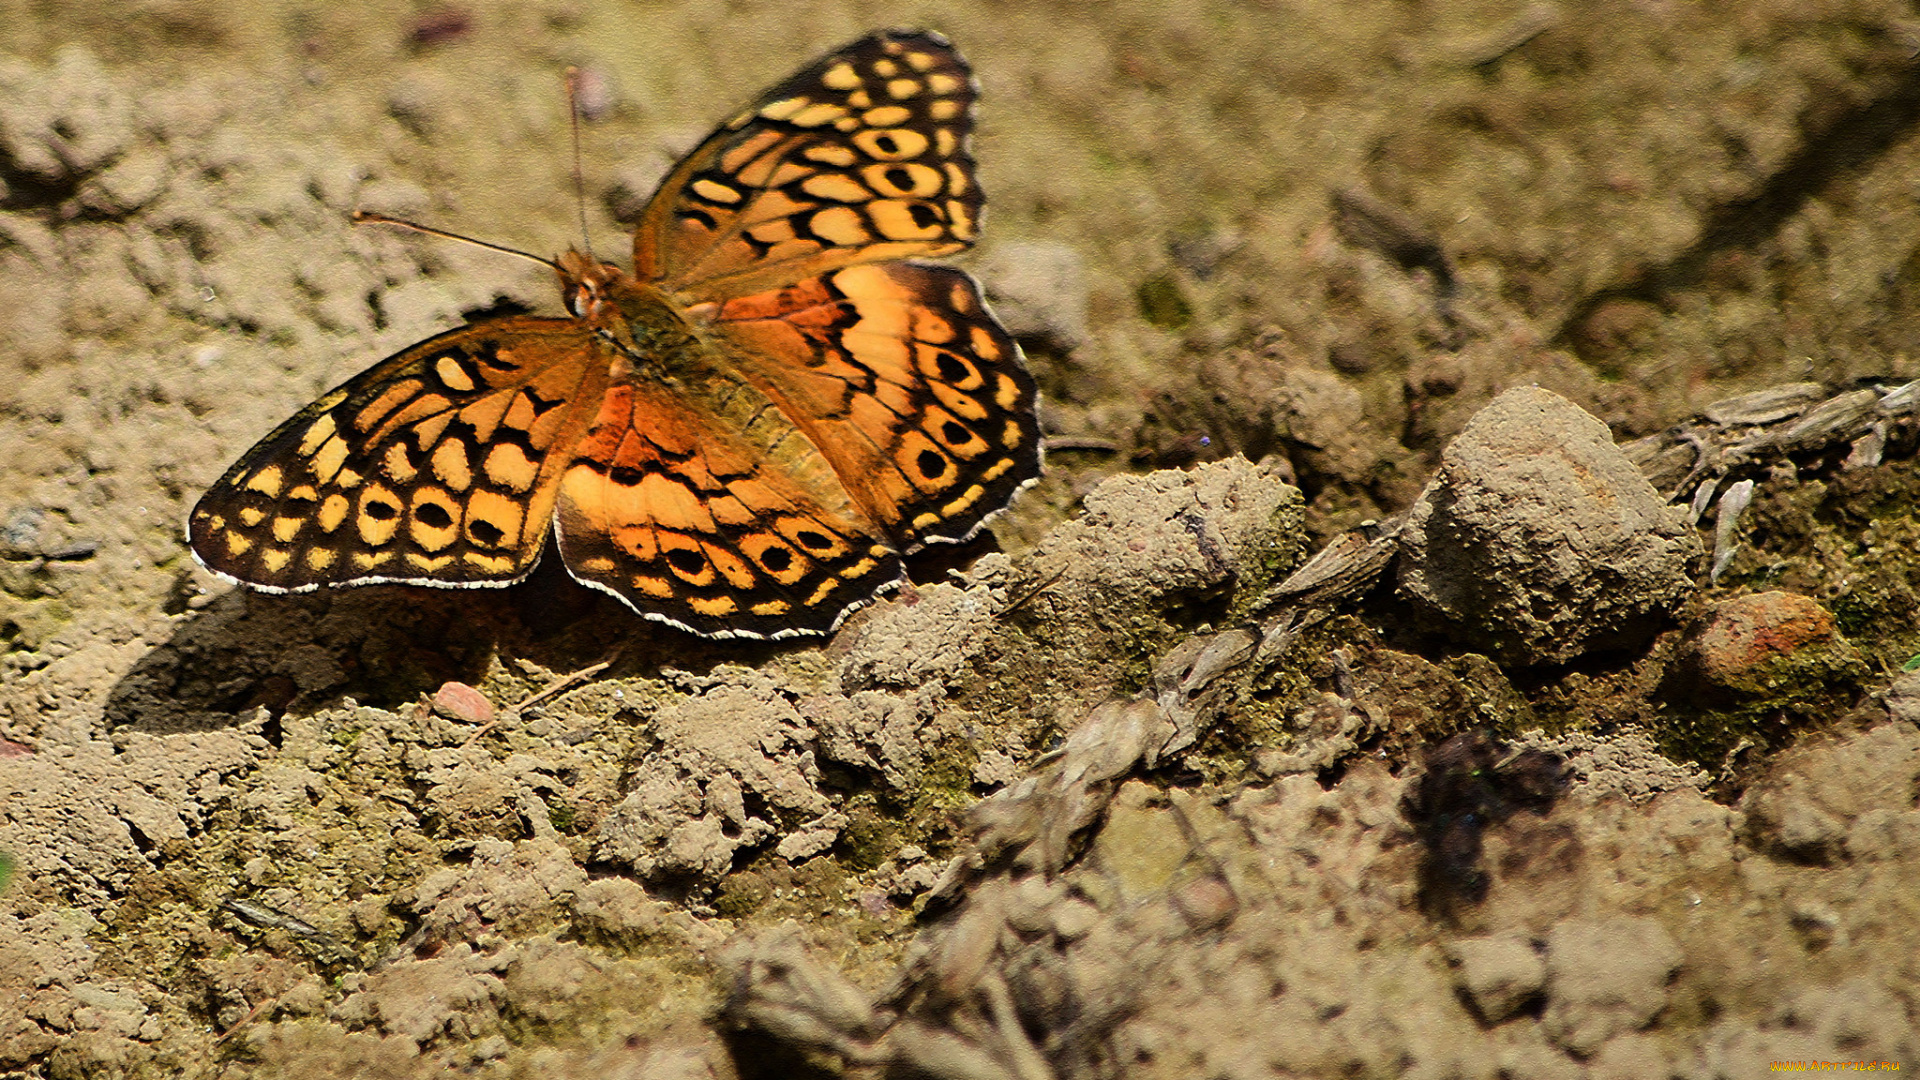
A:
(632, 316)
(741, 438)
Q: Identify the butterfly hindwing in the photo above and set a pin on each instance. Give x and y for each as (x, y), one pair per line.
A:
(907, 382)
(438, 466)
(861, 157)
(714, 520)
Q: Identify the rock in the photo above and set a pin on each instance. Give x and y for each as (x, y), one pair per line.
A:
(132, 182)
(1325, 416)
(64, 123)
(1903, 698)
(1630, 1057)
(1885, 834)
(422, 1000)
(1538, 541)
(1150, 543)
(1500, 972)
(1854, 1021)
(1605, 977)
(421, 102)
(688, 809)
(475, 802)
(1807, 805)
(1755, 644)
(458, 701)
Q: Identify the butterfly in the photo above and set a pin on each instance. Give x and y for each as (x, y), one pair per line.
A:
(741, 438)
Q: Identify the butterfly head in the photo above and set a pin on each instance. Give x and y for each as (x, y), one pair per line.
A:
(588, 285)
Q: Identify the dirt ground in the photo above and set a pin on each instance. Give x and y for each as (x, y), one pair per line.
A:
(1093, 799)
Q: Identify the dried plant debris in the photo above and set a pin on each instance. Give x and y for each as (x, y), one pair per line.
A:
(1292, 926)
(1744, 436)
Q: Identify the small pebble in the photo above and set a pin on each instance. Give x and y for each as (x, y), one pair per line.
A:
(458, 701)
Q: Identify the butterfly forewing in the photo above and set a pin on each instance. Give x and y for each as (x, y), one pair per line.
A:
(907, 383)
(861, 157)
(438, 466)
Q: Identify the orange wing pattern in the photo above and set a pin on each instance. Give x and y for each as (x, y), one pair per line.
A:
(860, 158)
(712, 528)
(439, 466)
(908, 385)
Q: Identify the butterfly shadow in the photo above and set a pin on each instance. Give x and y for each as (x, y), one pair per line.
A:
(385, 645)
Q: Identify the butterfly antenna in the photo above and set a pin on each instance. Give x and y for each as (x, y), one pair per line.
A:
(579, 180)
(368, 217)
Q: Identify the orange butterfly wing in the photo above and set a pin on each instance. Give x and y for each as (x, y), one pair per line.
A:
(438, 466)
(859, 158)
(908, 385)
(843, 406)
(718, 526)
